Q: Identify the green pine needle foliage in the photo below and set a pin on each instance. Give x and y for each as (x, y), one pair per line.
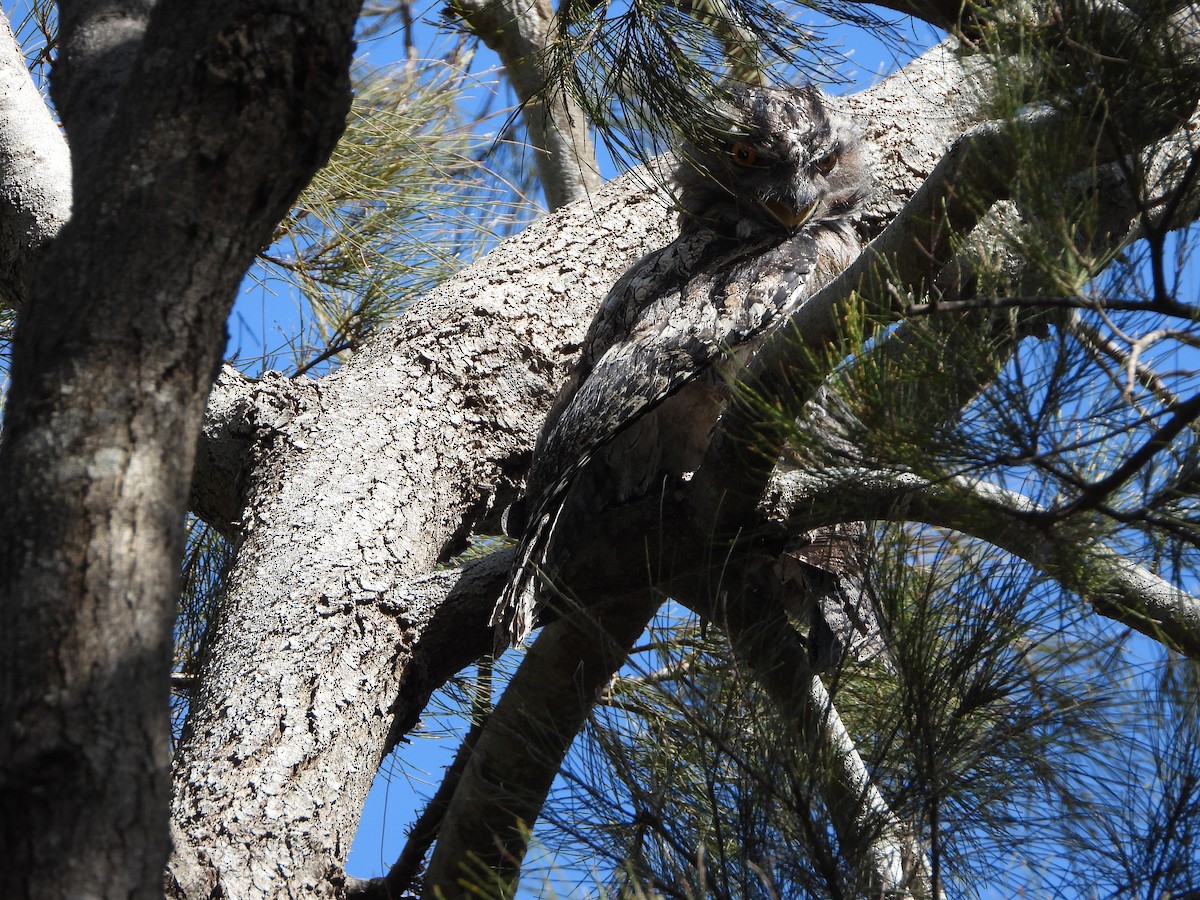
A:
(409, 196)
(648, 72)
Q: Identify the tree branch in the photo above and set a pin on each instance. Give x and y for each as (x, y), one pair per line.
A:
(1091, 496)
(241, 417)
(35, 173)
(519, 32)
(389, 462)
(504, 786)
(1115, 587)
(882, 849)
(403, 876)
(758, 615)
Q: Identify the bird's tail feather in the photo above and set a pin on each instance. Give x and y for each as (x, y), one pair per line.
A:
(516, 612)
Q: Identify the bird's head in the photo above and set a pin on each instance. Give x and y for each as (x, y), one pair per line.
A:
(776, 160)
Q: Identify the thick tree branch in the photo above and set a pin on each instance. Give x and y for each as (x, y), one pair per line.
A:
(389, 462)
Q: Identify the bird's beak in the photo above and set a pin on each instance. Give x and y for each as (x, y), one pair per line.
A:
(787, 215)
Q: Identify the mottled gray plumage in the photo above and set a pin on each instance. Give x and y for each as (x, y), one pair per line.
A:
(765, 195)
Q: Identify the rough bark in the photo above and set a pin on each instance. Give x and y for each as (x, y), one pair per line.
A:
(99, 42)
(228, 109)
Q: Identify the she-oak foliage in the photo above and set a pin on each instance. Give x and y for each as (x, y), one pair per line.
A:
(1022, 741)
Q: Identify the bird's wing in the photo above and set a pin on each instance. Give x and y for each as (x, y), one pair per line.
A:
(669, 320)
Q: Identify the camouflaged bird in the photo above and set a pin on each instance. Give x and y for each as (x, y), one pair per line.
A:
(766, 196)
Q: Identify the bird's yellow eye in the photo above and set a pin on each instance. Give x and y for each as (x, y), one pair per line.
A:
(825, 164)
(743, 154)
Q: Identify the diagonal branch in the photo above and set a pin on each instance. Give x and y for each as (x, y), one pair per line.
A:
(1093, 495)
(516, 759)
(1114, 586)
(880, 849)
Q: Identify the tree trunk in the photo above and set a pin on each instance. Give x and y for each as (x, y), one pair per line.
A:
(520, 33)
(228, 110)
